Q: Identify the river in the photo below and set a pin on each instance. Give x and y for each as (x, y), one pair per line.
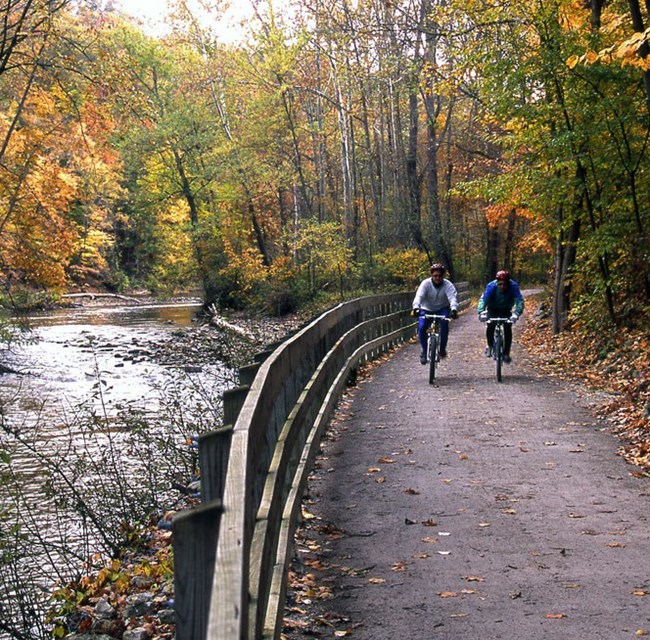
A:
(106, 402)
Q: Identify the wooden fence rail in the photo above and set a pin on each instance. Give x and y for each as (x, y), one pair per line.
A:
(231, 554)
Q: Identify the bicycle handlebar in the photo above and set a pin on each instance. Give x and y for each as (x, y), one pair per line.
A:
(495, 320)
(433, 316)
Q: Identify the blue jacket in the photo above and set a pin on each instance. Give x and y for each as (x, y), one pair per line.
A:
(500, 304)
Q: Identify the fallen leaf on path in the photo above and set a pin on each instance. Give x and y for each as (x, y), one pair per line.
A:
(459, 615)
(412, 492)
(448, 594)
(386, 460)
(556, 616)
(468, 591)
(342, 634)
(307, 515)
(409, 521)
(376, 580)
(474, 578)
(642, 632)
(399, 566)
(430, 523)
(430, 539)
(640, 592)
(576, 515)
(374, 469)
(615, 545)
(294, 624)
(421, 556)
(509, 511)
(484, 524)
(380, 480)
(444, 553)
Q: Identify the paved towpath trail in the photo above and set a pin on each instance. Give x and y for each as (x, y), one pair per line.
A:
(474, 510)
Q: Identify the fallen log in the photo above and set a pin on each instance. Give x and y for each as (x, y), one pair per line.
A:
(92, 296)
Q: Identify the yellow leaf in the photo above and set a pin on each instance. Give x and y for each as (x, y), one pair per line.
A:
(376, 580)
(448, 594)
(572, 62)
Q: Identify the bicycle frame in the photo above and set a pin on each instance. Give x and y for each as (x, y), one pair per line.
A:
(433, 342)
(498, 343)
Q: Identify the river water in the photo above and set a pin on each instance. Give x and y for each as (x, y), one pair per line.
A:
(89, 379)
(72, 348)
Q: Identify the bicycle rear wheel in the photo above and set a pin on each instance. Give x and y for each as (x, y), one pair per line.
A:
(433, 356)
(498, 355)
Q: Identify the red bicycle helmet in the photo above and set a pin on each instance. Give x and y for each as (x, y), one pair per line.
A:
(503, 275)
(438, 267)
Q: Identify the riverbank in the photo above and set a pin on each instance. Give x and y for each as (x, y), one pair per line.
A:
(131, 596)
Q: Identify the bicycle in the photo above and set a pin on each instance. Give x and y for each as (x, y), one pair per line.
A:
(433, 343)
(498, 342)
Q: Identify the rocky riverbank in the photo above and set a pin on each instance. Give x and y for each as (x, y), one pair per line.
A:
(132, 597)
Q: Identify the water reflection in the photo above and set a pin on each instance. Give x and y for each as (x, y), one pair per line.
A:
(181, 314)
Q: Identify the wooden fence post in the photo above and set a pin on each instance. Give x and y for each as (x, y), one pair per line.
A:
(214, 452)
(194, 542)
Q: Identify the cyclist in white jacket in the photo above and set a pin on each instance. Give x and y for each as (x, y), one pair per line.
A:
(435, 295)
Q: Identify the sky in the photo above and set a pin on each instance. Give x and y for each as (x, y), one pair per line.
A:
(152, 13)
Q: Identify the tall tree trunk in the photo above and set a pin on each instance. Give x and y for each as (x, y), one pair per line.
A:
(492, 253)
(413, 179)
(565, 258)
(638, 24)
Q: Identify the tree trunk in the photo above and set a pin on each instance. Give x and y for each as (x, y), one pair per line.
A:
(492, 253)
(413, 180)
(638, 24)
(565, 258)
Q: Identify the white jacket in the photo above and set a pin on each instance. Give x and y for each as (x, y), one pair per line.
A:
(434, 299)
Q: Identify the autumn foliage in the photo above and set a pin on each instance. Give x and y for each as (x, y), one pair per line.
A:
(333, 150)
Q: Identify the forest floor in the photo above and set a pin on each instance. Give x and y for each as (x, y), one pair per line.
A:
(478, 509)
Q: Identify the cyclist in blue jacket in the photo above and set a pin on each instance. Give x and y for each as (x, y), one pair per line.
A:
(435, 295)
(498, 300)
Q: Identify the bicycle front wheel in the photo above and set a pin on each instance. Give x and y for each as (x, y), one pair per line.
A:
(498, 355)
(433, 356)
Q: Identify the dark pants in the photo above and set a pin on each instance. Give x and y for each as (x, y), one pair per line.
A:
(507, 334)
(425, 323)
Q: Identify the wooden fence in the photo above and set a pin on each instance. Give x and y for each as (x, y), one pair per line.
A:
(231, 553)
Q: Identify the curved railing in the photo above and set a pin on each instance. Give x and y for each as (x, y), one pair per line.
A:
(231, 553)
